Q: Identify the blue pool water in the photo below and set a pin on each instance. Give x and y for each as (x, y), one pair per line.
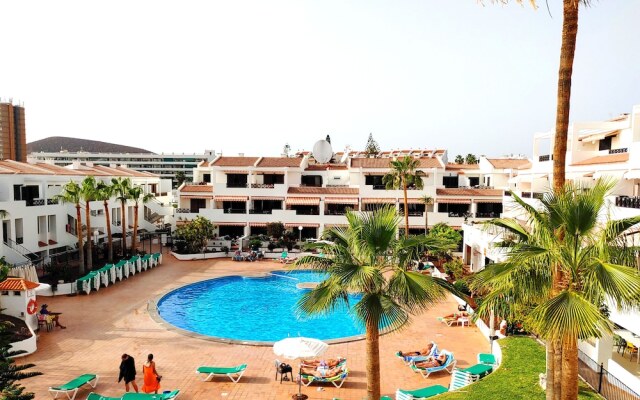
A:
(253, 309)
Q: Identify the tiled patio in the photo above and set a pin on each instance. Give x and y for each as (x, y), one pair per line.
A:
(103, 325)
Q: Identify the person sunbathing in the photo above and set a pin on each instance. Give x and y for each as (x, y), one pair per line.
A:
(423, 352)
(330, 363)
(322, 373)
(432, 362)
(454, 316)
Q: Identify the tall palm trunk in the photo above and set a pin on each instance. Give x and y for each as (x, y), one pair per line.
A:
(124, 229)
(406, 208)
(109, 238)
(557, 369)
(567, 52)
(373, 360)
(570, 369)
(81, 269)
(135, 228)
(89, 237)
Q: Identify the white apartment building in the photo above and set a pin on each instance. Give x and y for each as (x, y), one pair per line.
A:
(609, 149)
(163, 165)
(35, 226)
(241, 195)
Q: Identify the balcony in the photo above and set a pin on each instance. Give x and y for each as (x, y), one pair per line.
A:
(546, 157)
(307, 212)
(487, 215)
(262, 186)
(260, 211)
(628, 202)
(235, 211)
(236, 185)
(35, 202)
(51, 202)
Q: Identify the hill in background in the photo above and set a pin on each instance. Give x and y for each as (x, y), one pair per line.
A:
(62, 143)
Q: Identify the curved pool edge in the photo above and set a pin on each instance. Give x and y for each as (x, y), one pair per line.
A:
(152, 309)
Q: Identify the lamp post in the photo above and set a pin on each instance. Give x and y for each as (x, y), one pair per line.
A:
(300, 234)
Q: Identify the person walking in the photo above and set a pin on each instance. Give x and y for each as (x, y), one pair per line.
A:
(128, 372)
(151, 376)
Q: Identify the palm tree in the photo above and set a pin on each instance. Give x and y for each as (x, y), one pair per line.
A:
(592, 258)
(402, 175)
(121, 188)
(71, 193)
(367, 258)
(4, 213)
(88, 193)
(427, 201)
(137, 195)
(103, 193)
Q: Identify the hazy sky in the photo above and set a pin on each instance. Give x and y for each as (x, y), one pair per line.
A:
(250, 76)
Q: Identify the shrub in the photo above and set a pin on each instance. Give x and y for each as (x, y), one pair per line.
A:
(275, 229)
(225, 249)
(255, 244)
(271, 246)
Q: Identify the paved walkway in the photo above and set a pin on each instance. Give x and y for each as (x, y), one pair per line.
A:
(103, 325)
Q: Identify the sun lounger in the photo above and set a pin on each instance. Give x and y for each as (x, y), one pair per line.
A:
(158, 258)
(96, 396)
(145, 396)
(84, 284)
(70, 389)
(460, 379)
(408, 359)
(486, 358)
(419, 394)
(123, 265)
(336, 381)
(234, 373)
(448, 366)
(479, 370)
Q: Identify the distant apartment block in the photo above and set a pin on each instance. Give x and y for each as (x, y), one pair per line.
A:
(13, 137)
(164, 165)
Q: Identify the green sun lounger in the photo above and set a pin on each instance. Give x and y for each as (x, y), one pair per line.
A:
(96, 396)
(234, 373)
(423, 393)
(145, 396)
(70, 389)
(479, 370)
(486, 358)
(336, 381)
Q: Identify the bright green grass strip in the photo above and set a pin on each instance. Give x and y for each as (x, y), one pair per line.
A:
(523, 359)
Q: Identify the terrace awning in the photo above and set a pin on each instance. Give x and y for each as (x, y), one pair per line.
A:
(302, 201)
(196, 196)
(454, 201)
(267, 198)
(379, 200)
(257, 224)
(236, 172)
(304, 225)
(231, 198)
(497, 201)
(632, 174)
(230, 223)
(341, 200)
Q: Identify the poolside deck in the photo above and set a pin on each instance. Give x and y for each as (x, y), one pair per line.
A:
(103, 325)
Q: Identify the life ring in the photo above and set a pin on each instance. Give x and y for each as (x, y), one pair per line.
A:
(32, 307)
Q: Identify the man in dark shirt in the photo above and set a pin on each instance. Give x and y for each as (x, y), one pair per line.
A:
(128, 372)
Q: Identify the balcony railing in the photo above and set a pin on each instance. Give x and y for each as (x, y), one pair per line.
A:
(487, 215)
(307, 212)
(260, 211)
(378, 187)
(236, 185)
(335, 212)
(235, 211)
(618, 151)
(628, 202)
(546, 157)
(51, 202)
(183, 210)
(262, 186)
(35, 202)
(412, 213)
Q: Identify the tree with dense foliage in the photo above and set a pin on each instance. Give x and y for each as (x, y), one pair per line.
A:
(275, 229)
(372, 149)
(367, 258)
(104, 192)
(88, 193)
(138, 196)
(443, 231)
(71, 193)
(195, 234)
(10, 373)
(470, 159)
(593, 258)
(427, 201)
(121, 188)
(404, 174)
(180, 178)
(459, 159)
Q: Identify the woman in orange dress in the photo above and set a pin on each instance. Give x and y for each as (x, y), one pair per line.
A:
(151, 377)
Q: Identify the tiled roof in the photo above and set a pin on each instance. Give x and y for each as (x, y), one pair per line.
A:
(21, 168)
(456, 167)
(607, 159)
(271, 162)
(509, 163)
(322, 190)
(468, 192)
(325, 167)
(197, 188)
(384, 162)
(235, 161)
(17, 284)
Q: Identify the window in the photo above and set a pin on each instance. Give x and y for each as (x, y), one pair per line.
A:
(206, 178)
(450, 181)
(312, 180)
(605, 144)
(16, 293)
(474, 181)
(5, 292)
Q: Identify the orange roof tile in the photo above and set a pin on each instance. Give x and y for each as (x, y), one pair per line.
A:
(17, 284)
(235, 161)
(456, 167)
(424, 162)
(272, 162)
(468, 192)
(607, 159)
(509, 163)
(322, 190)
(197, 188)
(325, 167)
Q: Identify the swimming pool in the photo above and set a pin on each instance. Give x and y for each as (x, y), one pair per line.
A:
(253, 309)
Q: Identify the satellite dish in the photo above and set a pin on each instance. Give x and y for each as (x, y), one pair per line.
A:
(322, 151)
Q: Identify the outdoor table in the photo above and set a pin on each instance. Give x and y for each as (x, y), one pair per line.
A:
(629, 338)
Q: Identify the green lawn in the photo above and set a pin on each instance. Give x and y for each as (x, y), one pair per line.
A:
(517, 377)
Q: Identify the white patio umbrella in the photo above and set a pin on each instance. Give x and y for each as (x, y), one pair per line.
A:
(299, 348)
